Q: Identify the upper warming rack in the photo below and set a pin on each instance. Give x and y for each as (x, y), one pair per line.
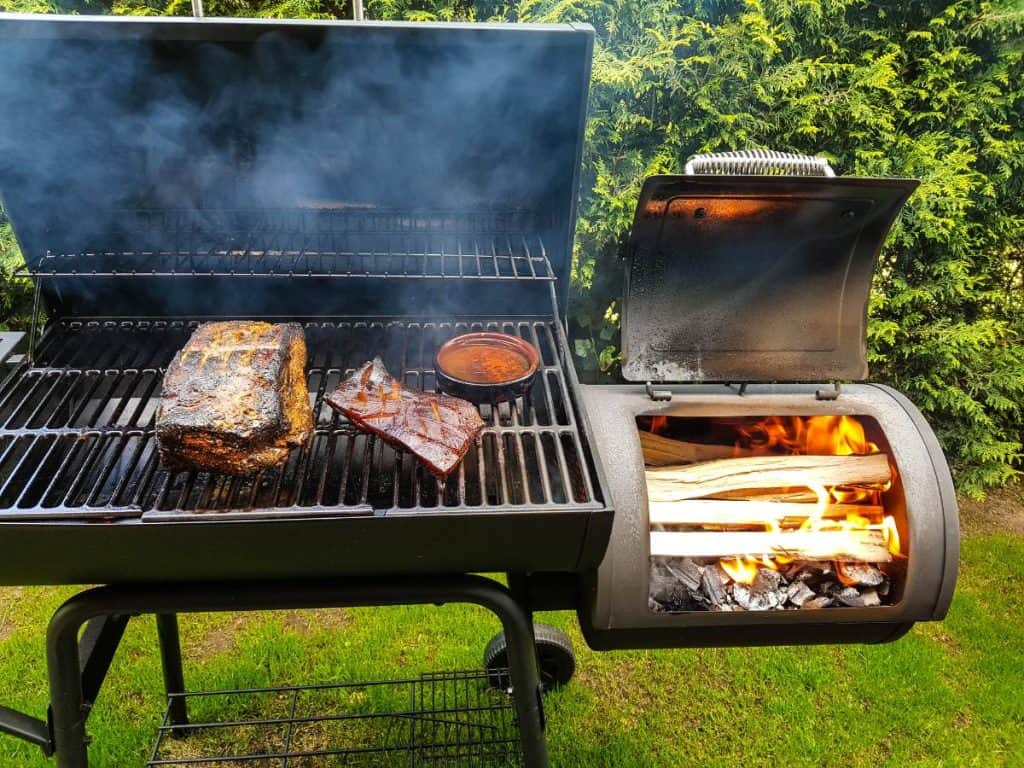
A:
(313, 242)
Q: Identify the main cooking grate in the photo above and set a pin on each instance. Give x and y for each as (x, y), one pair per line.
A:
(77, 432)
(314, 243)
(448, 720)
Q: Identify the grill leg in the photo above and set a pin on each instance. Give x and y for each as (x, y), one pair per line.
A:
(174, 676)
(525, 676)
(67, 704)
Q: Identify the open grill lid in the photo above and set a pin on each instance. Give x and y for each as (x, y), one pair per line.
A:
(758, 276)
(138, 134)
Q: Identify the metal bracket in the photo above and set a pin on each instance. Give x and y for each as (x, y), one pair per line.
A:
(829, 394)
(32, 329)
(657, 395)
(96, 651)
(9, 341)
(28, 728)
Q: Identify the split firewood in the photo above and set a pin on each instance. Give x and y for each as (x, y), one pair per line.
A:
(661, 451)
(768, 494)
(722, 512)
(865, 546)
(676, 483)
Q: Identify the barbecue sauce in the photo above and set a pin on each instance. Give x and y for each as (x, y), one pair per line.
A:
(484, 363)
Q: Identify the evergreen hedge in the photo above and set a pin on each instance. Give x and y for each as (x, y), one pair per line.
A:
(932, 89)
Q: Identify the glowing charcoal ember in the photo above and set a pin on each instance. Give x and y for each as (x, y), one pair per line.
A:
(767, 580)
(817, 603)
(711, 583)
(850, 597)
(799, 593)
(859, 574)
(870, 598)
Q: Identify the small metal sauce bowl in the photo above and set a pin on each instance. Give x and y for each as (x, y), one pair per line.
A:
(490, 391)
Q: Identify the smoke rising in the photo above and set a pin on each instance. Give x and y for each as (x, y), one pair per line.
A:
(238, 141)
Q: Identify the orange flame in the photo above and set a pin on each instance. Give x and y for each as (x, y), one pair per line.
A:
(659, 424)
(740, 569)
(815, 435)
(812, 435)
(892, 535)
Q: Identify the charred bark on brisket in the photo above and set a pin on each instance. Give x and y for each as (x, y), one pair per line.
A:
(235, 399)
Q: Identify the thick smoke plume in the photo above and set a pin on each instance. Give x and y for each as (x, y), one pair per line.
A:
(260, 140)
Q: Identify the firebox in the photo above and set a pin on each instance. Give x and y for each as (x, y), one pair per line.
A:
(758, 500)
(772, 513)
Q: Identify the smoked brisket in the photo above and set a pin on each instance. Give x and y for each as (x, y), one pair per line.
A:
(235, 399)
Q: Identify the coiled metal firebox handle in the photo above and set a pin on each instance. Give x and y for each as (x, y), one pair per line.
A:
(758, 162)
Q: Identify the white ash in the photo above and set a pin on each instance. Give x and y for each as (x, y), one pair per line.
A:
(683, 584)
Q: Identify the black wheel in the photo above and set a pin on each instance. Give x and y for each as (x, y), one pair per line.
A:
(554, 652)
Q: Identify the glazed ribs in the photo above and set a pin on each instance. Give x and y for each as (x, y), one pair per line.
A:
(235, 399)
(437, 429)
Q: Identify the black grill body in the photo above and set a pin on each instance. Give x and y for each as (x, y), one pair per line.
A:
(387, 185)
(83, 481)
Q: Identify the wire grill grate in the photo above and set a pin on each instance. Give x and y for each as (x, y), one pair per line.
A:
(439, 720)
(313, 243)
(77, 432)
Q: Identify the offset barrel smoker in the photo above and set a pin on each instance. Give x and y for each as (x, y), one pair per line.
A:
(745, 274)
(391, 186)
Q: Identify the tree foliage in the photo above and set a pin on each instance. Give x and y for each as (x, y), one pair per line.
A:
(15, 292)
(932, 89)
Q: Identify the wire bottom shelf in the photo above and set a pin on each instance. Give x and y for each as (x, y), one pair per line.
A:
(438, 720)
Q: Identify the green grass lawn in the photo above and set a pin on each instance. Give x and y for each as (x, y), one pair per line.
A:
(947, 694)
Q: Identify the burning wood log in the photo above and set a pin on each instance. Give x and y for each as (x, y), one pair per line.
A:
(728, 512)
(661, 451)
(676, 483)
(865, 546)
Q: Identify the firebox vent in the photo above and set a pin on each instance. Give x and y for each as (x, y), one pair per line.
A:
(753, 277)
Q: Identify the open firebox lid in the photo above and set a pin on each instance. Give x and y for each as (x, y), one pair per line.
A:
(741, 271)
(138, 134)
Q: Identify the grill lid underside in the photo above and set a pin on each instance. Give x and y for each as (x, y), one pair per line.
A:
(753, 278)
(147, 147)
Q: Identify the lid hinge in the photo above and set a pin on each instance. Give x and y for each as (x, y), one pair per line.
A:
(657, 395)
(829, 394)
